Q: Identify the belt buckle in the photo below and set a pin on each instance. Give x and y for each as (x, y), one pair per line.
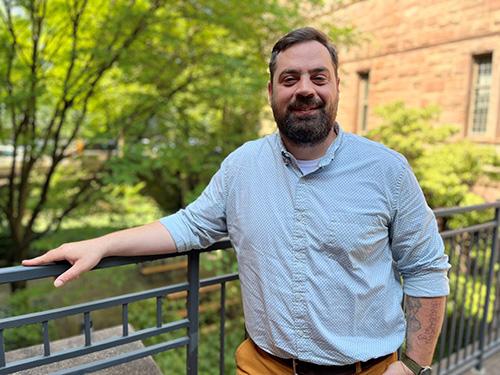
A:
(294, 367)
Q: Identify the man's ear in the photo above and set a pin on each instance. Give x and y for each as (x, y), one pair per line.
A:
(270, 90)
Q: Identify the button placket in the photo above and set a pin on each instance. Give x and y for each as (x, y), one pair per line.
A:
(299, 279)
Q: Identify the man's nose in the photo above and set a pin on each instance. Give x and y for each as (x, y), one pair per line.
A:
(305, 88)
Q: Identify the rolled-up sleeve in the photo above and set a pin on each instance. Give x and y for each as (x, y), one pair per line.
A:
(204, 221)
(416, 244)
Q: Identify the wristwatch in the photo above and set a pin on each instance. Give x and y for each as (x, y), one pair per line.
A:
(415, 367)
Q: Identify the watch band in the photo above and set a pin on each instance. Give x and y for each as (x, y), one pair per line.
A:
(415, 367)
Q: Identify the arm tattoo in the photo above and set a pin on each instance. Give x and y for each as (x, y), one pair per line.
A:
(432, 326)
(424, 317)
(413, 325)
(413, 305)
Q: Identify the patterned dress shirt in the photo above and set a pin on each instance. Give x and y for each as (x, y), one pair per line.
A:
(321, 255)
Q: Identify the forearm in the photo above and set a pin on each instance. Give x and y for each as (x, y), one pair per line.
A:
(147, 239)
(424, 317)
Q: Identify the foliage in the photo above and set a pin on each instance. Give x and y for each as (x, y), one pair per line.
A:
(124, 208)
(41, 295)
(176, 85)
(177, 144)
(410, 130)
(142, 315)
(447, 170)
(24, 302)
(54, 56)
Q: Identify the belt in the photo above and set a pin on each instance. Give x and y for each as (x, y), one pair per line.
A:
(307, 368)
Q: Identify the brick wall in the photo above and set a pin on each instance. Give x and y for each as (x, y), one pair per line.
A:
(420, 52)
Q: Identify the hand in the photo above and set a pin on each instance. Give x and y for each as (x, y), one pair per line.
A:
(83, 256)
(398, 368)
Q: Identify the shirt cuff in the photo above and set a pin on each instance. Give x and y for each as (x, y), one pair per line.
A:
(433, 284)
(174, 225)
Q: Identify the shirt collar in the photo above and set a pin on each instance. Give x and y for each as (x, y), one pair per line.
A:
(325, 160)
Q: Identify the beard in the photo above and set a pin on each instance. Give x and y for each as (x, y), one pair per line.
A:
(306, 130)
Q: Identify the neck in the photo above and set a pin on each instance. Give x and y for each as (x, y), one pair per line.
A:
(301, 152)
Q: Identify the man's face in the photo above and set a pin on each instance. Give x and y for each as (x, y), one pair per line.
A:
(304, 94)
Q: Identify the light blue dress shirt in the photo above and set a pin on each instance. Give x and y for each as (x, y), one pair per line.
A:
(321, 255)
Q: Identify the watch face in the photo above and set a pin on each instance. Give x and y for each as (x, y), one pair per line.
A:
(425, 371)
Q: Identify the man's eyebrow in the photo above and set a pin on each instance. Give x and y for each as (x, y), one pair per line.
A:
(289, 71)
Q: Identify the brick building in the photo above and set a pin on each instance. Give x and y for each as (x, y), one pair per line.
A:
(421, 51)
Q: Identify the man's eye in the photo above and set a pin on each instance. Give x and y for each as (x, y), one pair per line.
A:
(319, 79)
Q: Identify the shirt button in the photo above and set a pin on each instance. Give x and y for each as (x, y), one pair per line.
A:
(299, 217)
(297, 296)
(299, 256)
(300, 333)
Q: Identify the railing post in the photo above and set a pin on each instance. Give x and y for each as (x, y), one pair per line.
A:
(2, 350)
(193, 300)
(222, 326)
(491, 271)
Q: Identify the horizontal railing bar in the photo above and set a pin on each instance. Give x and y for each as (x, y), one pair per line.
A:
(125, 357)
(473, 228)
(491, 350)
(12, 274)
(219, 279)
(464, 364)
(20, 273)
(448, 211)
(98, 346)
(460, 368)
(38, 317)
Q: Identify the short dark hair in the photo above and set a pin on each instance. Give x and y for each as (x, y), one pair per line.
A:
(302, 35)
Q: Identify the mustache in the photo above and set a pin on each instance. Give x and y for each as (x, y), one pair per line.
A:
(309, 102)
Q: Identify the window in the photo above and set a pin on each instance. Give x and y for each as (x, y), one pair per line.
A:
(480, 93)
(364, 89)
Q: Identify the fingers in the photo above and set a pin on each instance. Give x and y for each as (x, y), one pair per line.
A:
(73, 273)
(50, 256)
(397, 368)
(76, 254)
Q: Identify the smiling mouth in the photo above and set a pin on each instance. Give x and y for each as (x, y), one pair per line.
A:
(304, 110)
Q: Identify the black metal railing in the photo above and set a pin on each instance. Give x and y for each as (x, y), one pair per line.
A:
(470, 334)
(471, 328)
(190, 323)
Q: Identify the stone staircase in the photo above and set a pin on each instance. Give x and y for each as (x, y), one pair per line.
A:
(143, 366)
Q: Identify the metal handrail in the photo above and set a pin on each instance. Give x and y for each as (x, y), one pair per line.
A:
(192, 287)
(449, 211)
(467, 338)
(20, 273)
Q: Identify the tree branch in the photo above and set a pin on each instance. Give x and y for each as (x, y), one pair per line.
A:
(76, 200)
(69, 102)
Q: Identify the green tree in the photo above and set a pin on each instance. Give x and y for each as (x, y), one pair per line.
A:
(447, 170)
(54, 57)
(177, 84)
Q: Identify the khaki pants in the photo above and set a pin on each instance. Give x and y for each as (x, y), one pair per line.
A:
(252, 360)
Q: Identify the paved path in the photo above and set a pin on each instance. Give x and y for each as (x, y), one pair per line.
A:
(490, 367)
(143, 366)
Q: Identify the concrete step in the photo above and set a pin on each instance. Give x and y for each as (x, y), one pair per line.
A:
(138, 367)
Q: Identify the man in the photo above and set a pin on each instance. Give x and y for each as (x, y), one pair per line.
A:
(323, 223)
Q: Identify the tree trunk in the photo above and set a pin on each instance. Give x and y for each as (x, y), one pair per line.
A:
(18, 252)
(18, 285)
